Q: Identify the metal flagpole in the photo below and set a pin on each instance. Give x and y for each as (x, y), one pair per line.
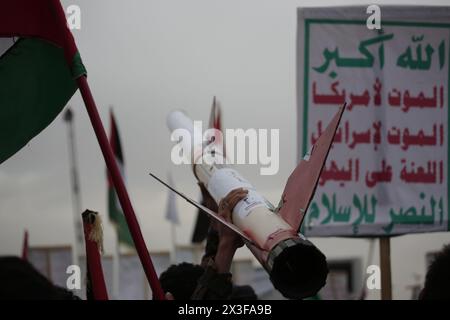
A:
(173, 252)
(25, 246)
(172, 216)
(76, 196)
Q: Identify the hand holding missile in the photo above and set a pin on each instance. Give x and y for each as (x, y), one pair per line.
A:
(207, 200)
(226, 206)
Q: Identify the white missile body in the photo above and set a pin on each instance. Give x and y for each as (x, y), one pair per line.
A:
(252, 214)
(296, 267)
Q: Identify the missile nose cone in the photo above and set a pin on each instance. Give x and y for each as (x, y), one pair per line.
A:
(178, 119)
(173, 117)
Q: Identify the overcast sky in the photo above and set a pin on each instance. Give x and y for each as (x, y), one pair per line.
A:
(146, 58)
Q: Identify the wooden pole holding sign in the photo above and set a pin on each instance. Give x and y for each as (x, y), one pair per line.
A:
(385, 267)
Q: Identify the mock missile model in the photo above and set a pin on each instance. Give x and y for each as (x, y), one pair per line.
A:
(296, 267)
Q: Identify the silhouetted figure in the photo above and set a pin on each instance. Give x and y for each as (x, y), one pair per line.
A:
(437, 281)
(185, 279)
(181, 280)
(21, 281)
(212, 280)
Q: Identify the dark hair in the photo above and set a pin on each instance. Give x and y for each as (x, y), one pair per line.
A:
(21, 281)
(181, 280)
(243, 293)
(437, 281)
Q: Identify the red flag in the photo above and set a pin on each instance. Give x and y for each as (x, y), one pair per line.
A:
(43, 19)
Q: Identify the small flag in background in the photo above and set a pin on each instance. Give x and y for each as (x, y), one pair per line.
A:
(38, 70)
(171, 209)
(116, 215)
(215, 120)
(202, 222)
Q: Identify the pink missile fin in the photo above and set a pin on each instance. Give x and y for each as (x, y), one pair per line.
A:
(215, 122)
(302, 182)
(214, 115)
(211, 213)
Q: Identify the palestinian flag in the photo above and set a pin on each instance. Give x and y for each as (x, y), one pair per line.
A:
(39, 65)
(115, 210)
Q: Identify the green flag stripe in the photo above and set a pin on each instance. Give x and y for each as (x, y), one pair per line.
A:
(35, 85)
(77, 67)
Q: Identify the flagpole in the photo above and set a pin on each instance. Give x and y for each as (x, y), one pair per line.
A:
(172, 216)
(93, 233)
(173, 255)
(116, 271)
(25, 246)
(385, 266)
(76, 196)
(119, 185)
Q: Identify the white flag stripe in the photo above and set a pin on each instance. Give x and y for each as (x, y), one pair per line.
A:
(5, 44)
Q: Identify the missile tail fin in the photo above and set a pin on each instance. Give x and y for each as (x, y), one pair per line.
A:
(302, 182)
(215, 122)
(211, 213)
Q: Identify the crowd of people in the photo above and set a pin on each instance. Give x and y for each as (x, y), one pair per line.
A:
(211, 280)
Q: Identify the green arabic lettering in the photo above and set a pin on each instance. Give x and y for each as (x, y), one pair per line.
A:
(313, 214)
(364, 62)
(329, 56)
(331, 209)
(342, 214)
(405, 60)
(411, 216)
(381, 55)
(364, 214)
(441, 54)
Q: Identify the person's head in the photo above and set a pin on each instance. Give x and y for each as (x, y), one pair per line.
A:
(243, 293)
(437, 281)
(181, 280)
(21, 281)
